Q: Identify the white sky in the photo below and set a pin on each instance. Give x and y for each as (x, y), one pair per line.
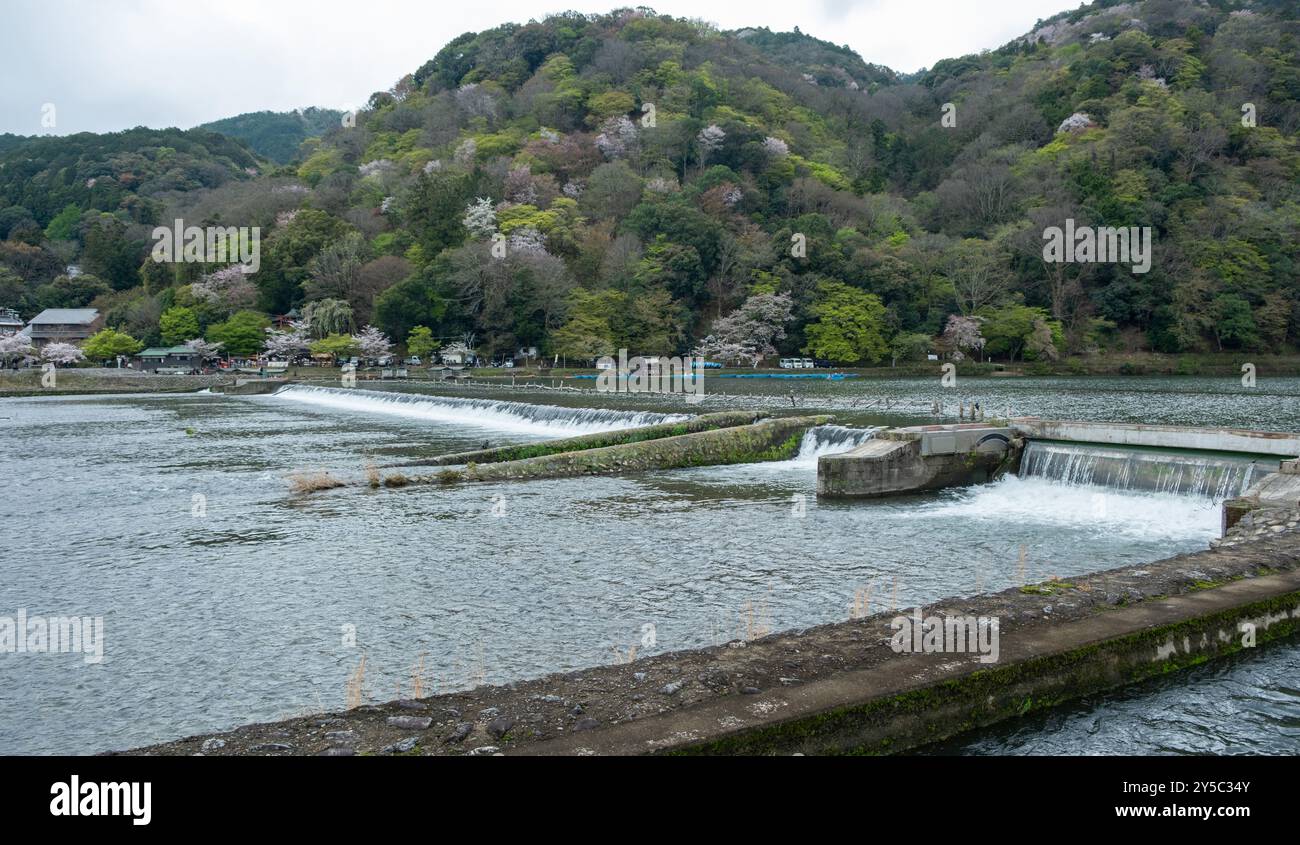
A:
(113, 64)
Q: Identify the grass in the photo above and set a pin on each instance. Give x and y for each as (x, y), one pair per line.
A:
(354, 692)
(372, 474)
(310, 482)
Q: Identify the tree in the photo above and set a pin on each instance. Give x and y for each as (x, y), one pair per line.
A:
(107, 344)
(15, 347)
(372, 343)
(480, 218)
(908, 345)
(61, 354)
(336, 346)
(960, 335)
(850, 325)
(242, 334)
(204, 349)
(287, 344)
(1234, 323)
(178, 324)
(415, 301)
(328, 316)
(1010, 328)
(978, 274)
(109, 255)
(749, 333)
(71, 291)
(420, 342)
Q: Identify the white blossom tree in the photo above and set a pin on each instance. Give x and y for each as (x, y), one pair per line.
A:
(372, 343)
(229, 289)
(617, 137)
(749, 334)
(480, 218)
(288, 343)
(203, 348)
(61, 354)
(710, 140)
(15, 347)
(962, 334)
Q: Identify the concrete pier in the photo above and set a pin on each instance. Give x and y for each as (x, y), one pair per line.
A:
(919, 458)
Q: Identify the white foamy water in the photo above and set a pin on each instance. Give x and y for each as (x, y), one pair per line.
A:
(1020, 502)
(515, 417)
(1217, 477)
(822, 440)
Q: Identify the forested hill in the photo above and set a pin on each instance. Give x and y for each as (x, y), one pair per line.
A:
(657, 181)
(277, 135)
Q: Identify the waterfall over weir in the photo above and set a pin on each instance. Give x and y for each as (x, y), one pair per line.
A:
(521, 417)
(1215, 476)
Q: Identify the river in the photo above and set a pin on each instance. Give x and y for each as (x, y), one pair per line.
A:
(227, 598)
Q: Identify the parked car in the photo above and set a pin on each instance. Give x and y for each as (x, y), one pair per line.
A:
(412, 361)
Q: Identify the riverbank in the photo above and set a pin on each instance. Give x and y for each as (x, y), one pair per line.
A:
(841, 687)
(101, 380)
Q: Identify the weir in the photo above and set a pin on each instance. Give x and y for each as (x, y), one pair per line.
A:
(1242, 468)
(1217, 476)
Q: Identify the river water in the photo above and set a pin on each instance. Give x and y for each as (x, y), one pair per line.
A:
(227, 598)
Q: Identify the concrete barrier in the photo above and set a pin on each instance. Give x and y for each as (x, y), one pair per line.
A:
(912, 460)
(704, 422)
(769, 440)
(1278, 443)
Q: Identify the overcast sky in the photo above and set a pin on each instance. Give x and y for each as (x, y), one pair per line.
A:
(106, 65)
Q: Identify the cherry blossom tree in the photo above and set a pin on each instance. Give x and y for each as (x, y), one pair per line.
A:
(372, 343)
(203, 348)
(62, 354)
(961, 334)
(749, 334)
(480, 218)
(229, 289)
(288, 343)
(617, 137)
(15, 347)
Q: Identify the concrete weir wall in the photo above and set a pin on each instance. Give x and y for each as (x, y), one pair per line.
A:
(912, 460)
(1279, 443)
(768, 440)
(703, 422)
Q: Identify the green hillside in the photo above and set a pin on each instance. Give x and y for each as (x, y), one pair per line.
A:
(277, 135)
(656, 181)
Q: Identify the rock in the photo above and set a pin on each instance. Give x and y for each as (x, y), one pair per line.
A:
(576, 710)
(788, 682)
(671, 689)
(463, 730)
(410, 723)
(338, 752)
(411, 704)
(500, 726)
(489, 713)
(549, 699)
(638, 676)
(213, 744)
(402, 746)
(485, 751)
(587, 724)
(750, 690)
(272, 746)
